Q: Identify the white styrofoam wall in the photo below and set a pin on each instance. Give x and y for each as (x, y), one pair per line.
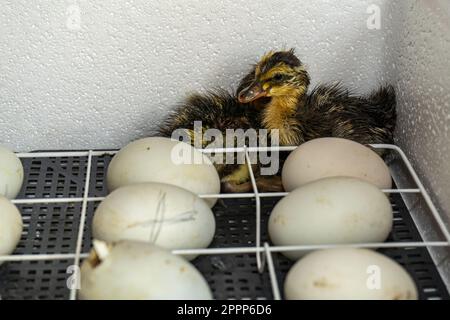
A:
(115, 78)
(417, 59)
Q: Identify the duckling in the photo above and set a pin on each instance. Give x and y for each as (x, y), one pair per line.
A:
(218, 109)
(279, 83)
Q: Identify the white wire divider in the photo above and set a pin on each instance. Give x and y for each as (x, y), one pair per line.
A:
(263, 252)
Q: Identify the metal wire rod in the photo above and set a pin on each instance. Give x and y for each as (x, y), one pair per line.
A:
(259, 259)
(272, 274)
(250, 250)
(73, 292)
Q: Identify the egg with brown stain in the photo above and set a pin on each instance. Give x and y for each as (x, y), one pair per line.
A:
(333, 157)
(348, 274)
(331, 211)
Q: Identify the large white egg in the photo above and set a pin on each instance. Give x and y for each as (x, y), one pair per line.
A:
(348, 274)
(158, 159)
(130, 270)
(10, 226)
(11, 173)
(331, 211)
(332, 157)
(163, 214)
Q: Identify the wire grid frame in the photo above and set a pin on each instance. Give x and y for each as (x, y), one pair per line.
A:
(262, 251)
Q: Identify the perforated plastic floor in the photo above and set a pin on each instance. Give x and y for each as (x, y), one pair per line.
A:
(53, 228)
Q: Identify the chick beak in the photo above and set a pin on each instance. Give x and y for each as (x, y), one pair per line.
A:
(251, 93)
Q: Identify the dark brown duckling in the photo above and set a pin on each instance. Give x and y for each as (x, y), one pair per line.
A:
(278, 84)
(220, 110)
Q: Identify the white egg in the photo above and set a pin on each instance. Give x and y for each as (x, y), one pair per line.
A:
(139, 271)
(332, 157)
(163, 214)
(348, 274)
(10, 226)
(11, 173)
(331, 211)
(158, 159)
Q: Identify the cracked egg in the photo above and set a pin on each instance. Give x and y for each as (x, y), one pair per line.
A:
(132, 270)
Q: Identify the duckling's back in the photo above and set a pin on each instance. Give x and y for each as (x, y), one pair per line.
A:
(333, 111)
(383, 108)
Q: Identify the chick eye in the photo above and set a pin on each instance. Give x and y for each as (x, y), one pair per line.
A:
(277, 77)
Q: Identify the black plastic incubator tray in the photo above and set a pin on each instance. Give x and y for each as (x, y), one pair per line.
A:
(53, 229)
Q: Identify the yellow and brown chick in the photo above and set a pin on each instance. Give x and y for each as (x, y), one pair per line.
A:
(279, 83)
